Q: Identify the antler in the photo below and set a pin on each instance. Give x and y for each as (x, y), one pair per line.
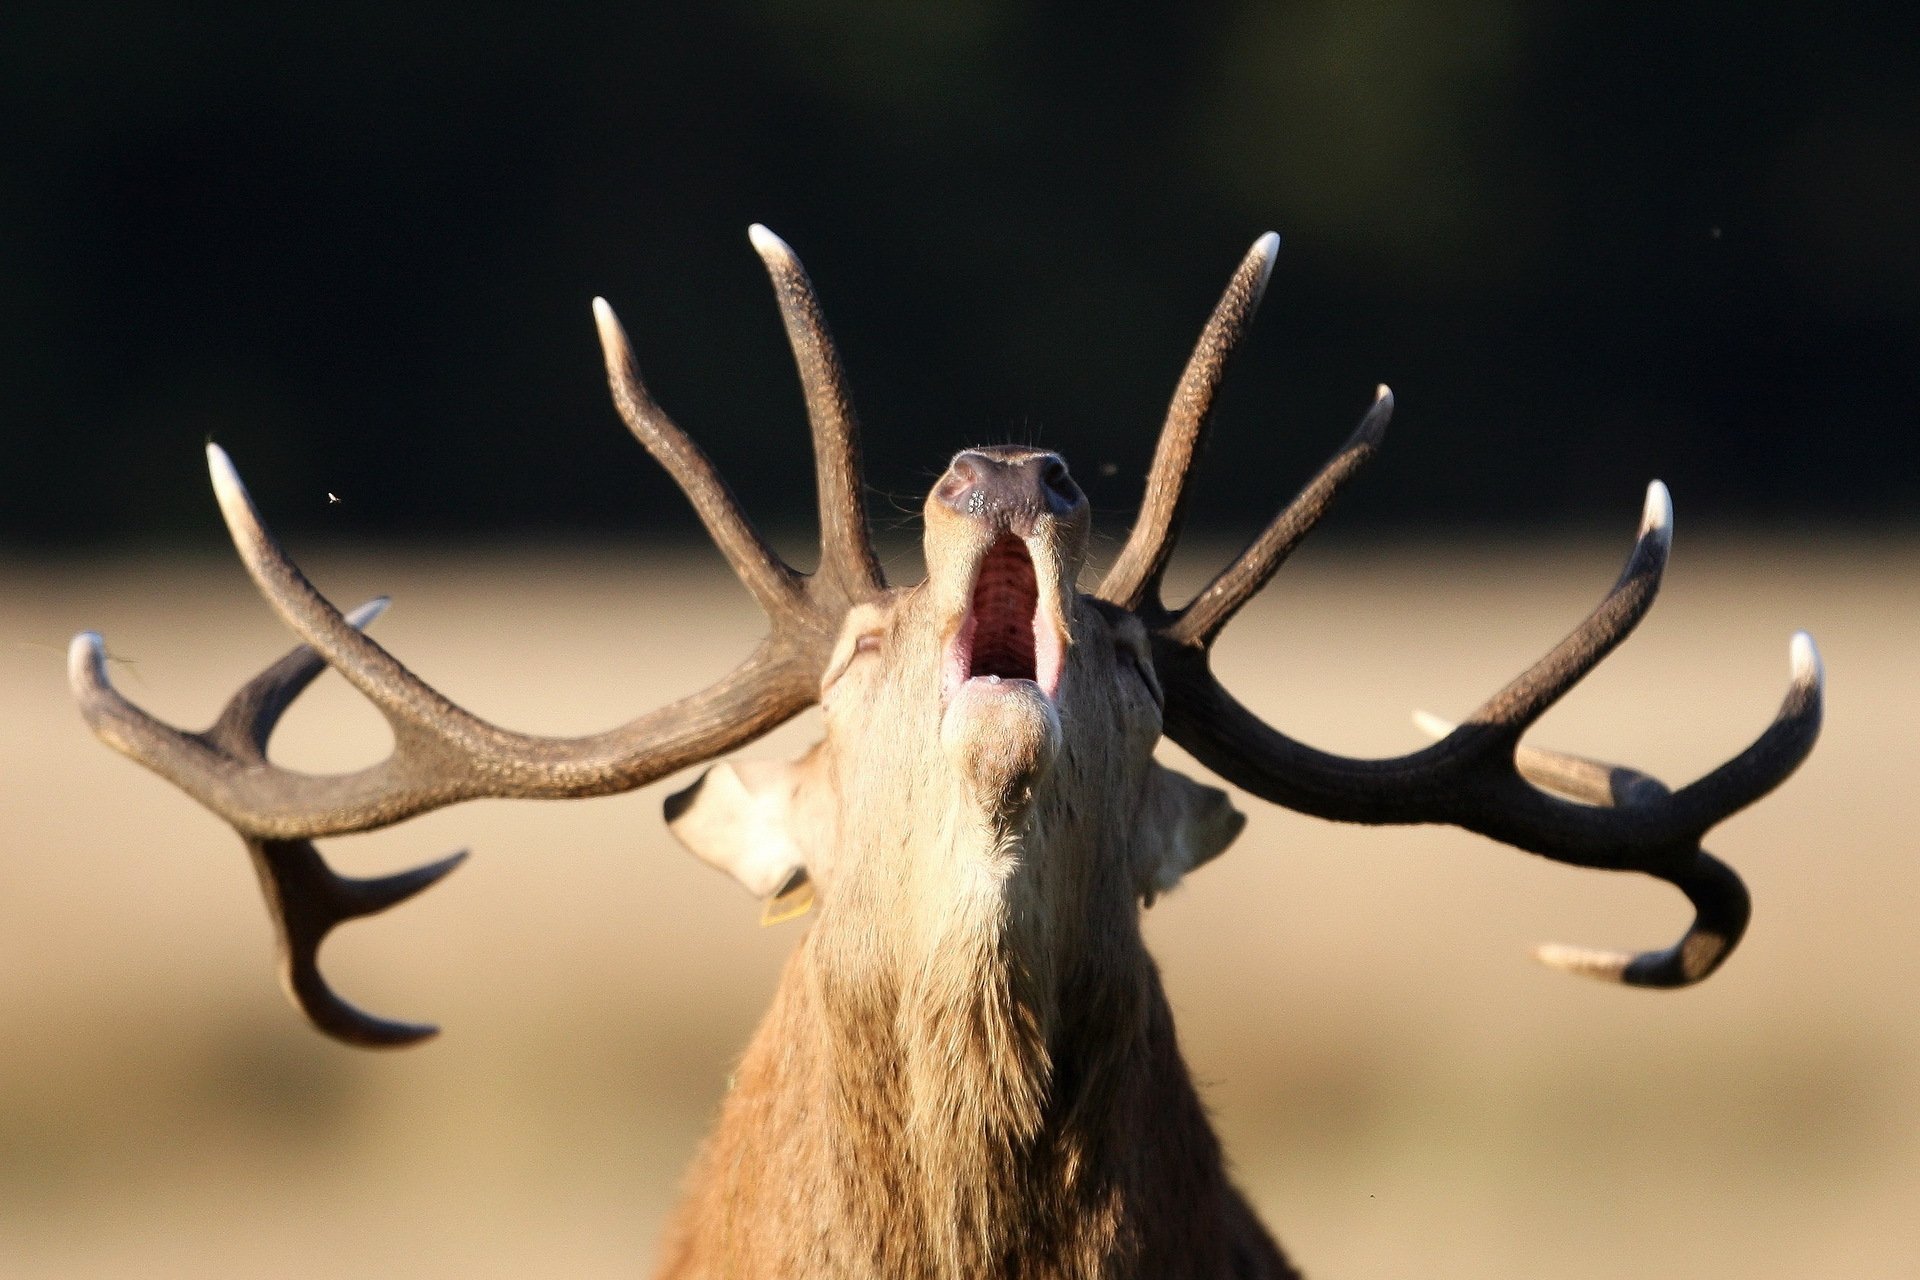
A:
(1135, 575)
(443, 754)
(1478, 776)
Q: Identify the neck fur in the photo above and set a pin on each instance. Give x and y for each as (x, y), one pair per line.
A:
(957, 1079)
(970, 1034)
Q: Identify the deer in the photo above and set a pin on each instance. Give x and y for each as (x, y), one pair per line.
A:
(969, 1066)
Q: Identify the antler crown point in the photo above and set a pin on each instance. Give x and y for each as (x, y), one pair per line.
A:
(1585, 962)
(363, 616)
(1373, 426)
(767, 244)
(227, 485)
(86, 658)
(1805, 657)
(1264, 251)
(612, 335)
(1657, 516)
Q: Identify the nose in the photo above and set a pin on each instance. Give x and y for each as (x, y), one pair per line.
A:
(1009, 485)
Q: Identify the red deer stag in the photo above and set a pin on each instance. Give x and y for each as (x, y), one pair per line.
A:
(969, 1068)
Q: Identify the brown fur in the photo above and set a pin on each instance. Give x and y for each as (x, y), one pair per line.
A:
(970, 1067)
(938, 1123)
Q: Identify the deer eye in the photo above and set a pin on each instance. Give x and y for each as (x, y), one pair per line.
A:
(847, 654)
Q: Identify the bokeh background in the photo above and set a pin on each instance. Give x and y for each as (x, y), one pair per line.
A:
(1587, 245)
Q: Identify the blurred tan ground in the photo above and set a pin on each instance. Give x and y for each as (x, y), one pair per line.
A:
(1401, 1089)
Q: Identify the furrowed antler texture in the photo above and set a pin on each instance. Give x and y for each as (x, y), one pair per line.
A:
(1478, 775)
(443, 754)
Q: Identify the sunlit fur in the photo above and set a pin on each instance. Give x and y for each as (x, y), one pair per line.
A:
(970, 1068)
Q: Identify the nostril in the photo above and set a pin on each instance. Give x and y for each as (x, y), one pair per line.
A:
(1062, 493)
(959, 488)
(1008, 483)
(969, 468)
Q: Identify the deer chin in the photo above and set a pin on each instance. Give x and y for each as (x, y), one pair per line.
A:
(1001, 736)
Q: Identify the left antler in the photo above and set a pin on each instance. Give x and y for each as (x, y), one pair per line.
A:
(1478, 776)
(444, 754)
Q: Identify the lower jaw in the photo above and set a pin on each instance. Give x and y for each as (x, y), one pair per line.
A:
(1001, 735)
(991, 699)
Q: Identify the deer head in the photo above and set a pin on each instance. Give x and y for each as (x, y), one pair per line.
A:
(988, 732)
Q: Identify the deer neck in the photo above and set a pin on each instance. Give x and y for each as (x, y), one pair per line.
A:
(969, 1069)
(975, 1017)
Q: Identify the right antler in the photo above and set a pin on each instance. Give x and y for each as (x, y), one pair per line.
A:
(443, 754)
(1478, 776)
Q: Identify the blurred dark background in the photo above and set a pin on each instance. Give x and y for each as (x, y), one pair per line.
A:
(1587, 244)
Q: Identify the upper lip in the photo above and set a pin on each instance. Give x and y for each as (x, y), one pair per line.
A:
(1010, 629)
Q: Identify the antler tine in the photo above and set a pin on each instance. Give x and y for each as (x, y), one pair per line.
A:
(1513, 710)
(305, 897)
(1772, 757)
(1135, 575)
(308, 900)
(1766, 762)
(446, 754)
(846, 545)
(1720, 901)
(174, 755)
(1721, 910)
(443, 754)
(252, 713)
(1575, 777)
(1479, 777)
(403, 696)
(240, 734)
(1201, 621)
(765, 574)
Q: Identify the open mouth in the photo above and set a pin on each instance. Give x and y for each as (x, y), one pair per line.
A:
(1003, 637)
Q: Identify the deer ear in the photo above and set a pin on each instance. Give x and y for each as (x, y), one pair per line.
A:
(1184, 824)
(747, 820)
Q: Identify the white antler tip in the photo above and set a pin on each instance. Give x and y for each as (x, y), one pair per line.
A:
(767, 244)
(226, 478)
(1373, 425)
(363, 617)
(1805, 657)
(611, 333)
(86, 660)
(1431, 725)
(1657, 516)
(1608, 966)
(1264, 251)
(236, 507)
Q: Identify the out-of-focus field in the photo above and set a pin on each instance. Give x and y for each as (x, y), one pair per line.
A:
(1402, 1091)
